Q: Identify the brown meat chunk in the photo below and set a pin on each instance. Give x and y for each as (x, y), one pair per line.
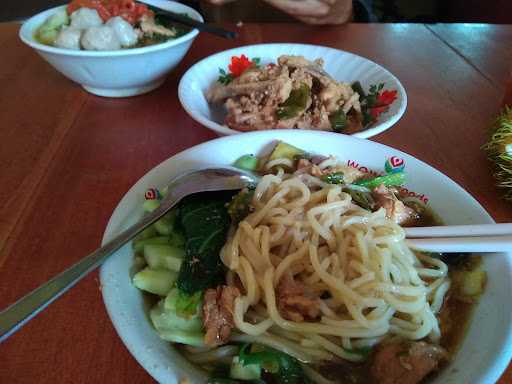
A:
(148, 26)
(298, 61)
(218, 314)
(406, 362)
(292, 302)
(395, 209)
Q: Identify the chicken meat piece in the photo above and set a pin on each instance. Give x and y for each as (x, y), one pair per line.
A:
(330, 96)
(292, 302)
(255, 109)
(298, 61)
(148, 26)
(406, 362)
(218, 314)
(350, 174)
(274, 84)
(396, 210)
(300, 77)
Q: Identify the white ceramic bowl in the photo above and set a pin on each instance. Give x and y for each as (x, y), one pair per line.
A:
(487, 347)
(121, 73)
(342, 66)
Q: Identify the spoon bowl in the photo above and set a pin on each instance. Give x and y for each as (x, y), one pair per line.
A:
(202, 180)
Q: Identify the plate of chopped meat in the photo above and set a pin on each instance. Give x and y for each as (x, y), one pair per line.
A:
(292, 86)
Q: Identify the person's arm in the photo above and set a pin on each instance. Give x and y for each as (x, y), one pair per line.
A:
(311, 11)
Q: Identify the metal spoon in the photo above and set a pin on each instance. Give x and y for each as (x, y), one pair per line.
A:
(203, 180)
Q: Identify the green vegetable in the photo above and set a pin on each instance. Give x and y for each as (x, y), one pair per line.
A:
(48, 31)
(205, 223)
(286, 151)
(138, 245)
(284, 368)
(173, 328)
(356, 87)
(247, 162)
(157, 281)
(368, 101)
(174, 305)
(161, 256)
(165, 225)
(244, 372)
(187, 305)
(224, 77)
(148, 233)
(240, 206)
(333, 178)
(338, 121)
(47, 37)
(296, 102)
(391, 179)
(362, 198)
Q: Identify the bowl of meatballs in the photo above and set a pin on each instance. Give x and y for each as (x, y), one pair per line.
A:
(112, 48)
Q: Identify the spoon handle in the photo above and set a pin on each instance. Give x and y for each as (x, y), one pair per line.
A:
(185, 20)
(17, 314)
(214, 179)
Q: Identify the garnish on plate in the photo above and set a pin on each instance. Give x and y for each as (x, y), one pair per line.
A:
(238, 65)
(295, 92)
(376, 102)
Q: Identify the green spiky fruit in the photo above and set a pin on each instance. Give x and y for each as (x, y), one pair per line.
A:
(499, 149)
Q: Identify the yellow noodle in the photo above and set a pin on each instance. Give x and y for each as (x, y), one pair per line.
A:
(315, 232)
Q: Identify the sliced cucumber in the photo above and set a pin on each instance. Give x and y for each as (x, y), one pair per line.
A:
(248, 162)
(171, 319)
(164, 256)
(157, 281)
(48, 31)
(148, 233)
(181, 337)
(57, 20)
(165, 225)
(47, 37)
(138, 245)
(171, 327)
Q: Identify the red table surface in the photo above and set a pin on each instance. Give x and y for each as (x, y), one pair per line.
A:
(67, 158)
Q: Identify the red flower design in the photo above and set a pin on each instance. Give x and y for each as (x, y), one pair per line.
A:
(239, 65)
(386, 98)
(376, 111)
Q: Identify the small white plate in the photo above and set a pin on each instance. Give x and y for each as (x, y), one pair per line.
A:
(487, 347)
(342, 66)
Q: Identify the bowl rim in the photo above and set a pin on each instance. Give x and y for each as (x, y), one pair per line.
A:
(225, 130)
(26, 34)
(489, 374)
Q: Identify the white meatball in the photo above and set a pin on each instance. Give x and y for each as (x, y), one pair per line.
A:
(84, 18)
(69, 38)
(100, 39)
(123, 30)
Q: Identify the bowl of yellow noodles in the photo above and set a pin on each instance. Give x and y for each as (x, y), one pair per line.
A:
(305, 276)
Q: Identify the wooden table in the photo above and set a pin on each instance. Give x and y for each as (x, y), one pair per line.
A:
(67, 158)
